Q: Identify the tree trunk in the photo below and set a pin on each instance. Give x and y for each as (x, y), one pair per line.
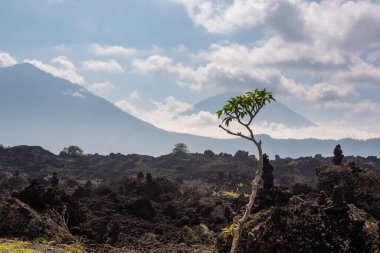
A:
(255, 185)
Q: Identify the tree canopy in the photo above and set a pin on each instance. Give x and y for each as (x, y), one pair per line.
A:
(73, 150)
(180, 149)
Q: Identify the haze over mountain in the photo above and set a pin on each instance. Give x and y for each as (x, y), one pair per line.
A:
(275, 113)
(37, 108)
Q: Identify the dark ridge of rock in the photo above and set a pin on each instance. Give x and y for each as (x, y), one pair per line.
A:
(160, 188)
(17, 219)
(28, 158)
(11, 183)
(52, 200)
(360, 187)
(141, 208)
(267, 175)
(304, 226)
(314, 222)
(338, 155)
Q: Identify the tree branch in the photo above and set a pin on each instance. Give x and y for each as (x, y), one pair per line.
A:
(236, 134)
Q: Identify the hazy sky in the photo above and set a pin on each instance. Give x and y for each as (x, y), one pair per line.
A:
(154, 58)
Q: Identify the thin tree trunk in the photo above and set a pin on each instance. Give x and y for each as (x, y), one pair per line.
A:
(255, 185)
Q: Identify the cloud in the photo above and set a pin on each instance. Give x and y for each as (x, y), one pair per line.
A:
(63, 68)
(153, 64)
(111, 66)
(6, 60)
(374, 56)
(220, 17)
(333, 131)
(168, 115)
(350, 24)
(101, 88)
(360, 74)
(97, 49)
(64, 62)
(228, 68)
(364, 106)
(134, 96)
(75, 93)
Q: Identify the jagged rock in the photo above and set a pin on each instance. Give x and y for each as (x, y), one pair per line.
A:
(361, 189)
(299, 188)
(142, 208)
(196, 234)
(338, 203)
(322, 198)
(354, 167)
(18, 219)
(54, 180)
(52, 200)
(303, 226)
(209, 154)
(241, 155)
(338, 155)
(217, 215)
(267, 173)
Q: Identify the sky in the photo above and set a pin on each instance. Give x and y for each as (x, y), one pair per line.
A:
(156, 58)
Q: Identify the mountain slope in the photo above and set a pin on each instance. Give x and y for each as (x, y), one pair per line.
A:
(37, 108)
(275, 113)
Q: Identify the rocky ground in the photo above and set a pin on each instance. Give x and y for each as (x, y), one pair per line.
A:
(137, 203)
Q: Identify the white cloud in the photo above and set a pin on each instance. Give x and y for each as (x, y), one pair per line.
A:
(373, 56)
(229, 68)
(364, 106)
(351, 24)
(169, 115)
(153, 64)
(75, 93)
(64, 62)
(6, 60)
(112, 51)
(320, 39)
(328, 131)
(220, 17)
(317, 92)
(134, 96)
(360, 74)
(111, 66)
(64, 68)
(101, 88)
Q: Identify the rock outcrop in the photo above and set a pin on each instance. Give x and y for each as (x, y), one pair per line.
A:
(344, 217)
(359, 186)
(18, 219)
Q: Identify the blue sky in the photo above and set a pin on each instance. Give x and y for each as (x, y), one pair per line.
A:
(154, 58)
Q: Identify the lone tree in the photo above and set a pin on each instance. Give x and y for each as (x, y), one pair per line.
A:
(180, 149)
(242, 110)
(72, 150)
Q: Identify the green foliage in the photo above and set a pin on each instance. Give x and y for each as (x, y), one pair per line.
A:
(180, 149)
(3, 146)
(75, 248)
(248, 104)
(229, 230)
(73, 150)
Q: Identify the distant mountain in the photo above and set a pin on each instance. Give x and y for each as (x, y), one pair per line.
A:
(37, 108)
(275, 113)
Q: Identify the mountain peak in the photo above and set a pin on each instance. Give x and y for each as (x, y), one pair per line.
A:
(276, 112)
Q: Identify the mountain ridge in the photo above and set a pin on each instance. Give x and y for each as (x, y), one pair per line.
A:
(277, 112)
(37, 108)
